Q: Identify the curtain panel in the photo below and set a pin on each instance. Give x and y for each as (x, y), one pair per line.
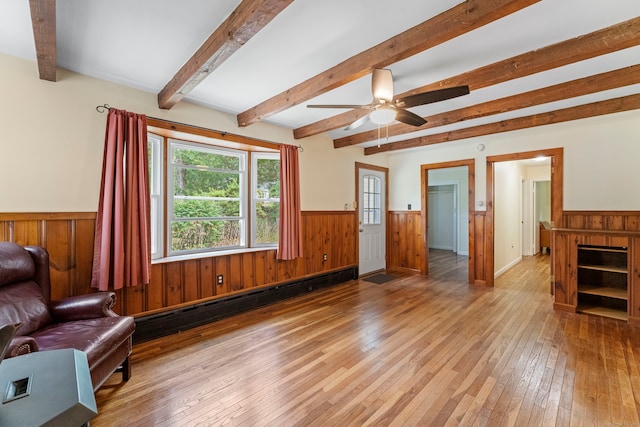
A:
(122, 245)
(290, 230)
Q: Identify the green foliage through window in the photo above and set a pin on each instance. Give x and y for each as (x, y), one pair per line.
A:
(267, 199)
(207, 198)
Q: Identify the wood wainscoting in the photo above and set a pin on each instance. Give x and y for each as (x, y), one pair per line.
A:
(68, 237)
(407, 242)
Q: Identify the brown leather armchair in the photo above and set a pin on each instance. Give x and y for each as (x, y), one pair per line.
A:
(84, 322)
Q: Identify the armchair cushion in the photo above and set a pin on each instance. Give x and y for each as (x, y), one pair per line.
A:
(83, 307)
(96, 337)
(23, 303)
(16, 266)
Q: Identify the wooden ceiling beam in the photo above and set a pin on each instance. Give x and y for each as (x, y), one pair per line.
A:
(616, 37)
(245, 21)
(466, 16)
(610, 106)
(43, 21)
(579, 87)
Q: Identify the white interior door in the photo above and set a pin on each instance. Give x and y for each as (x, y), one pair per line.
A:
(372, 220)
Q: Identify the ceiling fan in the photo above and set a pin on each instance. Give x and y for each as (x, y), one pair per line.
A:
(384, 108)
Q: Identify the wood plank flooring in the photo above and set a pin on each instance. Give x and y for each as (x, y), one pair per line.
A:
(416, 351)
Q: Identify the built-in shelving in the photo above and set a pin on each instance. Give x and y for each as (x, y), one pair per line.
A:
(603, 281)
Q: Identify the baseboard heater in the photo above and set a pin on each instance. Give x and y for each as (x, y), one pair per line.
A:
(173, 321)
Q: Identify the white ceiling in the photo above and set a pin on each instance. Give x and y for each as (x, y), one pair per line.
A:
(143, 43)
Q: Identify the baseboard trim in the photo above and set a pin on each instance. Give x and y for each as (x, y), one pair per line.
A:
(507, 267)
(173, 321)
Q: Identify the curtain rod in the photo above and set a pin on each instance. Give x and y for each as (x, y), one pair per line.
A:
(106, 107)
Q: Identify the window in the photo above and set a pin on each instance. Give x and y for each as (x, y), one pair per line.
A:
(206, 201)
(214, 200)
(266, 199)
(371, 206)
(156, 193)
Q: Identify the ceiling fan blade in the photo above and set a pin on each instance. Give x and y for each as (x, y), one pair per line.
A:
(382, 84)
(358, 123)
(431, 96)
(406, 116)
(337, 106)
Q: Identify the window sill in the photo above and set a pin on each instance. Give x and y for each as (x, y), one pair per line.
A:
(212, 254)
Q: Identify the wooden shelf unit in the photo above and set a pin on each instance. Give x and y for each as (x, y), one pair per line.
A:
(603, 281)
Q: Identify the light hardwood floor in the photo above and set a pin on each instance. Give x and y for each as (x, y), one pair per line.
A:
(416, 351)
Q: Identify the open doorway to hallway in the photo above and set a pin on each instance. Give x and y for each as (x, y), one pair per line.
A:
(522, 204)
(448, 220)
(448, 194)
(494, 265)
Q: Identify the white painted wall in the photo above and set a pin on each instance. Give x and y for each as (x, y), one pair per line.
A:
(52, 142)
(508, 178)
(536, 177)
(601, 157)
(459, 176)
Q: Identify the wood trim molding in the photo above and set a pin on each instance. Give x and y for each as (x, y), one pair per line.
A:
(208, 136)
(51, 216)
(424, 209)
(557, 167)
(385, 170)
(458, 20)
(617, 233)
(602, 213)
(345, 212)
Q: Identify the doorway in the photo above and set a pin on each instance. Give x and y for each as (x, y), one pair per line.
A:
(443, 229)
(371, 193)
(555, 198)
(465, 206)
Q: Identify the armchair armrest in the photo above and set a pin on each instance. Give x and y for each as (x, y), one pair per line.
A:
(89, 306)
(21, 345)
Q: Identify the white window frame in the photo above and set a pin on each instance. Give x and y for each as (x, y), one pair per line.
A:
(156, 193)
(254, 195)
(243, 197)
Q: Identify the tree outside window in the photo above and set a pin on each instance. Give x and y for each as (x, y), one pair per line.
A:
(209, 204)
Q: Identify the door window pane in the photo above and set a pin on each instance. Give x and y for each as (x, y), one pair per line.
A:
(371, 209)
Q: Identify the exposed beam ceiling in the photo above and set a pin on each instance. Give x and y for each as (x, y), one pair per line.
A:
(610, 106)
(458, 20)
(614, 38)
(43, 20)
(244, 22)
(605, 81)
(264, 59)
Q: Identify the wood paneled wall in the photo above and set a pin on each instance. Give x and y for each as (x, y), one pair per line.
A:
(482, 250)
(68, 237)
(407, 242)
(602, 220)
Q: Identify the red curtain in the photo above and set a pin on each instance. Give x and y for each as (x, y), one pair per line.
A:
(122, 245)
(290, 230)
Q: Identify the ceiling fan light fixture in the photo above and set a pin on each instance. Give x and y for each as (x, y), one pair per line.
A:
(382, 115)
